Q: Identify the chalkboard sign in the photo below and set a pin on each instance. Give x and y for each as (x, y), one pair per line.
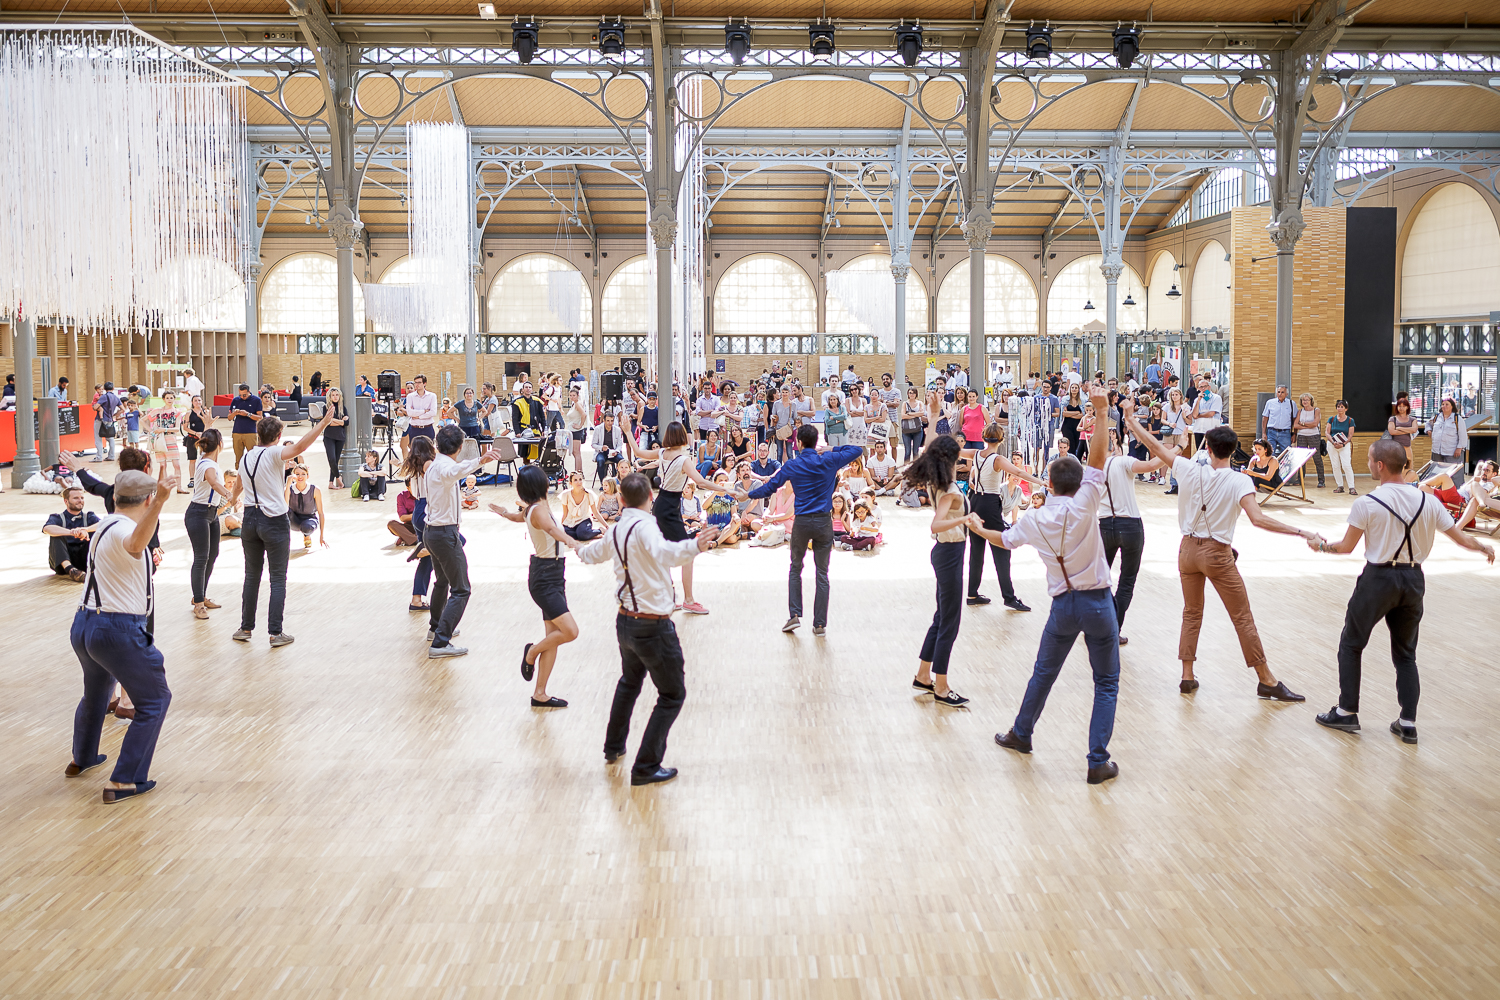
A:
(67, 420)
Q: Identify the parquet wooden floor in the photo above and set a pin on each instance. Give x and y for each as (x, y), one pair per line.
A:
(344, 818)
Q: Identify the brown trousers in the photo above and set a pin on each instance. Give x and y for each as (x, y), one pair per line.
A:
(242, 444)
(1204, 558)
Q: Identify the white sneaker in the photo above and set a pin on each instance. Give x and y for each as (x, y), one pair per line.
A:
(436, 652)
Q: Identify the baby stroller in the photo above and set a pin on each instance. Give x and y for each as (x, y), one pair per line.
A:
(551, 459)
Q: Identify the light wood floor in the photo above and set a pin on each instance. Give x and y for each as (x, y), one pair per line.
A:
(345, 818)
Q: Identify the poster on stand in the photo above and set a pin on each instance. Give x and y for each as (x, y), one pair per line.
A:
(828, 366)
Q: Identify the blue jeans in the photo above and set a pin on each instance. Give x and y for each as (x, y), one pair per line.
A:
(117, 647)
(422, 578)
(1091, 612)
(1280, 440)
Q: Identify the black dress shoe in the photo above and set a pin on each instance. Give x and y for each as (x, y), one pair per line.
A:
(1101, 773)
(1408, 734)
(661, 774)
(1016, 604)
(1277, 692)
(977, 599)
(610, 758)
(1124, 640)
(1011, 741)
(74, 769)
(1171, 492)
(1187, 685)
(1333, 720)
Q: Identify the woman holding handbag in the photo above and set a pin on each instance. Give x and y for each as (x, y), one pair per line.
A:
(1308, 427)
(913, 425)
(197, 423)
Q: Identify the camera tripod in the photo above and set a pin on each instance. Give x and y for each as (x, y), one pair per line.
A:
(390, 458)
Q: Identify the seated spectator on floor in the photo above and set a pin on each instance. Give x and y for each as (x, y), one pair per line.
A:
(609, 501)
(304, 503)
(692, 507)
(747, 509)
(723, 512)
(864, 526)
(880, 469)
(231, 511)
(764, 466)
(609, 445)
(371, 478)
(68, 533)
(580, 510)
(775, 525)
(401, 527)
(853, 478)
(469, 493)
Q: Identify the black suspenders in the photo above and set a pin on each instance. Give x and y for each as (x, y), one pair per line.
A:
(91, 591)
(622, 550)
(1411, 553)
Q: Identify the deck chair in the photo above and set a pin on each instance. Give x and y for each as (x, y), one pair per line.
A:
(1290, 462)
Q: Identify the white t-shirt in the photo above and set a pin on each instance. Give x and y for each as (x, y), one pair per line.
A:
(1119, 495)
(1209, 401)
(880, 467)
(194, 386)
(263, 483)
(1385, 536)
(1208, 499)
(123, 580)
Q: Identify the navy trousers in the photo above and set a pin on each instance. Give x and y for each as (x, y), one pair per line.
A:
(117, 647)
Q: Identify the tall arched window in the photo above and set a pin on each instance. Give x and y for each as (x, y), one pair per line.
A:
(1451, 265)
(1212, 299)
(301, 295)
(210, 295)
(406, 271)
(525, 298)
(626, 307)
(1010, 301)
(1081, 284)
(1164, 310)
(765, 293)
(840, 320)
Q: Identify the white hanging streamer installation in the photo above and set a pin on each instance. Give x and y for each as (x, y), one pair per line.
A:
(439, 228)
(565, 299)
(123, 169)
(870, 297)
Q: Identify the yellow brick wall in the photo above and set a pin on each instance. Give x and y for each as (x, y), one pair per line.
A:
(1318, 312)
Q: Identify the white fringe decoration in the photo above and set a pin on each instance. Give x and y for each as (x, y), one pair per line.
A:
(122, 175)
(870, 297)
(440, 227)
(565, 299)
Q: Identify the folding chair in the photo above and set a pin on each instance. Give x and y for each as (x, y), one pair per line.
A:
(508, 457)
(1290, 463)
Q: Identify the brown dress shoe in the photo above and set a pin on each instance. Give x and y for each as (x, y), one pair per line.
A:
(1101, 773)
(1010, 741)
(1278, 692)
(76, 575)
(121, 712)
(1187, 686)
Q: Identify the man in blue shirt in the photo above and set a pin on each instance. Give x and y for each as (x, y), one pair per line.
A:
(60, 390)
(813, 476)
(1153, 374)
(764, 466)
(246, 410)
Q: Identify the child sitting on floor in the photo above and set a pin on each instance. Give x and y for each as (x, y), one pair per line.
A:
(609, 500)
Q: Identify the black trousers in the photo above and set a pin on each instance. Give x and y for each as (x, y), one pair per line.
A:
(66, 548)
(202, 523)
(647, 646)
(987, 506)
(948, 567)
(265, 539)
(815, 530)
(1395, 594)
(1127, 536)
(334, 448)
(450, 586)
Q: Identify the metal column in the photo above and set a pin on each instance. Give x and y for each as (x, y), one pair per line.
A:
(24, 331)
(664, 234)
(252, 327)
(345, 231)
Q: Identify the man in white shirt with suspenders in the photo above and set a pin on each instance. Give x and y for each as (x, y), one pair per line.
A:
(1120, 524)
(1399, 524)
(265, 531)
(643, 561)
(1065, 533)
(112, 639)
(1208, 506)
(450, 589)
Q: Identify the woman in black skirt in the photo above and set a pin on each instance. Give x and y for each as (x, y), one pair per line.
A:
(674, 463)
(544, 581)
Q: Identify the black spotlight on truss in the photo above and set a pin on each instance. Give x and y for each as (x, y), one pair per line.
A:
(611, 37)
(737, 42)
(820, 39)
(1039, 42)
(523, 39)
(909, 42)
(1127, 45)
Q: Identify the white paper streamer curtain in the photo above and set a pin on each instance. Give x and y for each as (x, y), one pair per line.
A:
(122, 179)
(440, 226)
(565, 299)
(870, 297)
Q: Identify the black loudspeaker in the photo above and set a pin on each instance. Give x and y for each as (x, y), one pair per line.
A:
(388, 383)
(630, 367)
(514, 368)
(611, 386)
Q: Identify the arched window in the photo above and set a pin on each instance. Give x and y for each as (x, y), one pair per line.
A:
(1010, 302)
(534, 294)
(1164, 311)
(1080, 285)
(301, 295)
(841, 320)
(1451, 265)
(765, 293)
(210, 294)
(408, 271)
(1212, 300)
(626, 306)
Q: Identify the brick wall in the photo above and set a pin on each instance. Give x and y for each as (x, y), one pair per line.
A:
(1318, 312)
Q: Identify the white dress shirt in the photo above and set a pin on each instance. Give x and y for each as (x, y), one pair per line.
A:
(1066, 534)
(118, 582)
(1119, 492)
(262, 480)
(649, 556)
(1206, 402)
(1208, 499)
(443, 477)
(422, 408)
(194, 386)
(1385, 535)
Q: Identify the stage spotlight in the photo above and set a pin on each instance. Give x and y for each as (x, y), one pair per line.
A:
(523, 39)
(820, 39)
(909, 42)
(1127, 45)
(737, 42)
(1039, 42)
(611, 37)
(487, 12)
